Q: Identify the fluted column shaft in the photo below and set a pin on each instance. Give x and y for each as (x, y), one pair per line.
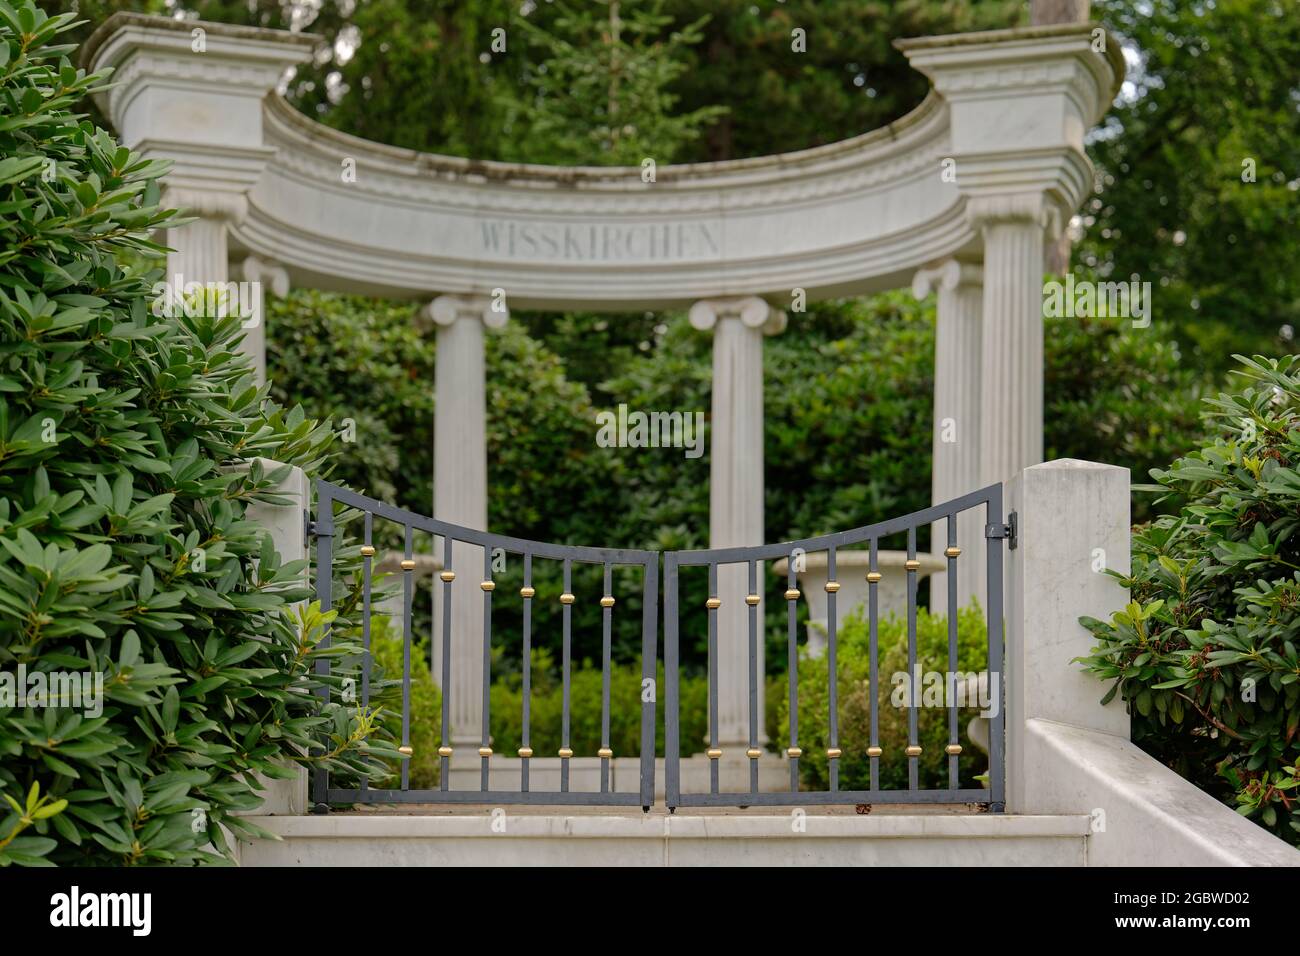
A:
(736, 495)
(956, 438)
(1011, 391)
(460, 496)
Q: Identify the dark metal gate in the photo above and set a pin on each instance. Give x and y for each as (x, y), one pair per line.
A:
(328, 495)
(990, 499)
(995, 532)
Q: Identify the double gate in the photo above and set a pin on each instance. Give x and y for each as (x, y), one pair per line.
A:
(732, 563)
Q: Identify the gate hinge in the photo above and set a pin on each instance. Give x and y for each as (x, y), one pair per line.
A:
(1007, 531)
(310, 529)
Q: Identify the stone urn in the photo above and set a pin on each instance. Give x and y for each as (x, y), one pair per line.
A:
(851, 572)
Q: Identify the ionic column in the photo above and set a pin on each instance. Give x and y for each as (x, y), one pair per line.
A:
(956, 438)
(736, 493)
(460, 497)
(266, 276)
(1011, 347)
(199, 248)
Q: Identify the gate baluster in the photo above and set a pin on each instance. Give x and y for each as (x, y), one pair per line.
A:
(444, 750)
(913, 744)
(713, 603)
(408, 567)
(832, 673)
(525, 744)
(792, 672)
(606, 614)
(950, 685)
(752, 599)
(873, 678)
(367, 554)
(485, 747)
(566, 599)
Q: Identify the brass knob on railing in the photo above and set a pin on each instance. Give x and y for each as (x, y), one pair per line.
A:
(792, 594)
(406, 750)
(713, 753)
(566, 598)
(834, 753)
(444, 751)
(525, 752)
(527, 592)
(952, 750)
(952, 551)
(832, 586)
(485, 751)
(604, 753)
(752, 599)
(874, 751)
(793, 752)
(713, 603)
(912, 564)
(565, 753)
(367, 551)
(448, 576)
(488, 585)
(753, 753)
(873, 577)
(408, 564)
(913, 751)
(607, 601)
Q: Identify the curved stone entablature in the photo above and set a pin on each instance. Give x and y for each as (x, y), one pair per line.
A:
(1004, 125)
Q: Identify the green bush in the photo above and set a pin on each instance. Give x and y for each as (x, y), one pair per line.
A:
(853, 660)
(124, 548)
(1205, 653)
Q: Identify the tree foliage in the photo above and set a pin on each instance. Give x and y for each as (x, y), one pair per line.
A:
(125, 446)
(1204, 655)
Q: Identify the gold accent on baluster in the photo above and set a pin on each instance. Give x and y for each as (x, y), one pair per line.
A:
(752, 599)
(753, 753)
(952, 551)
(367, 551)
(488, 585)
(832, 586)
(525, 752)
(952, 750)
(792, 594)
(873, 577)
(567, 598)
(448, 576)
(527, 592)
(406, 750)
(485, 751)
(713, 753)
(444, 751)
(607, 601)
(713, 603)
(408, 564)
(913, 751)
(834, 753)
(793, 752)
(565, 753)
(874, 751)
(604, 753)
(911, 564)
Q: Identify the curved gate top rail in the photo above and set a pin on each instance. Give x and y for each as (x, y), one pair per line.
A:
(456, 561)
(735, 584)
